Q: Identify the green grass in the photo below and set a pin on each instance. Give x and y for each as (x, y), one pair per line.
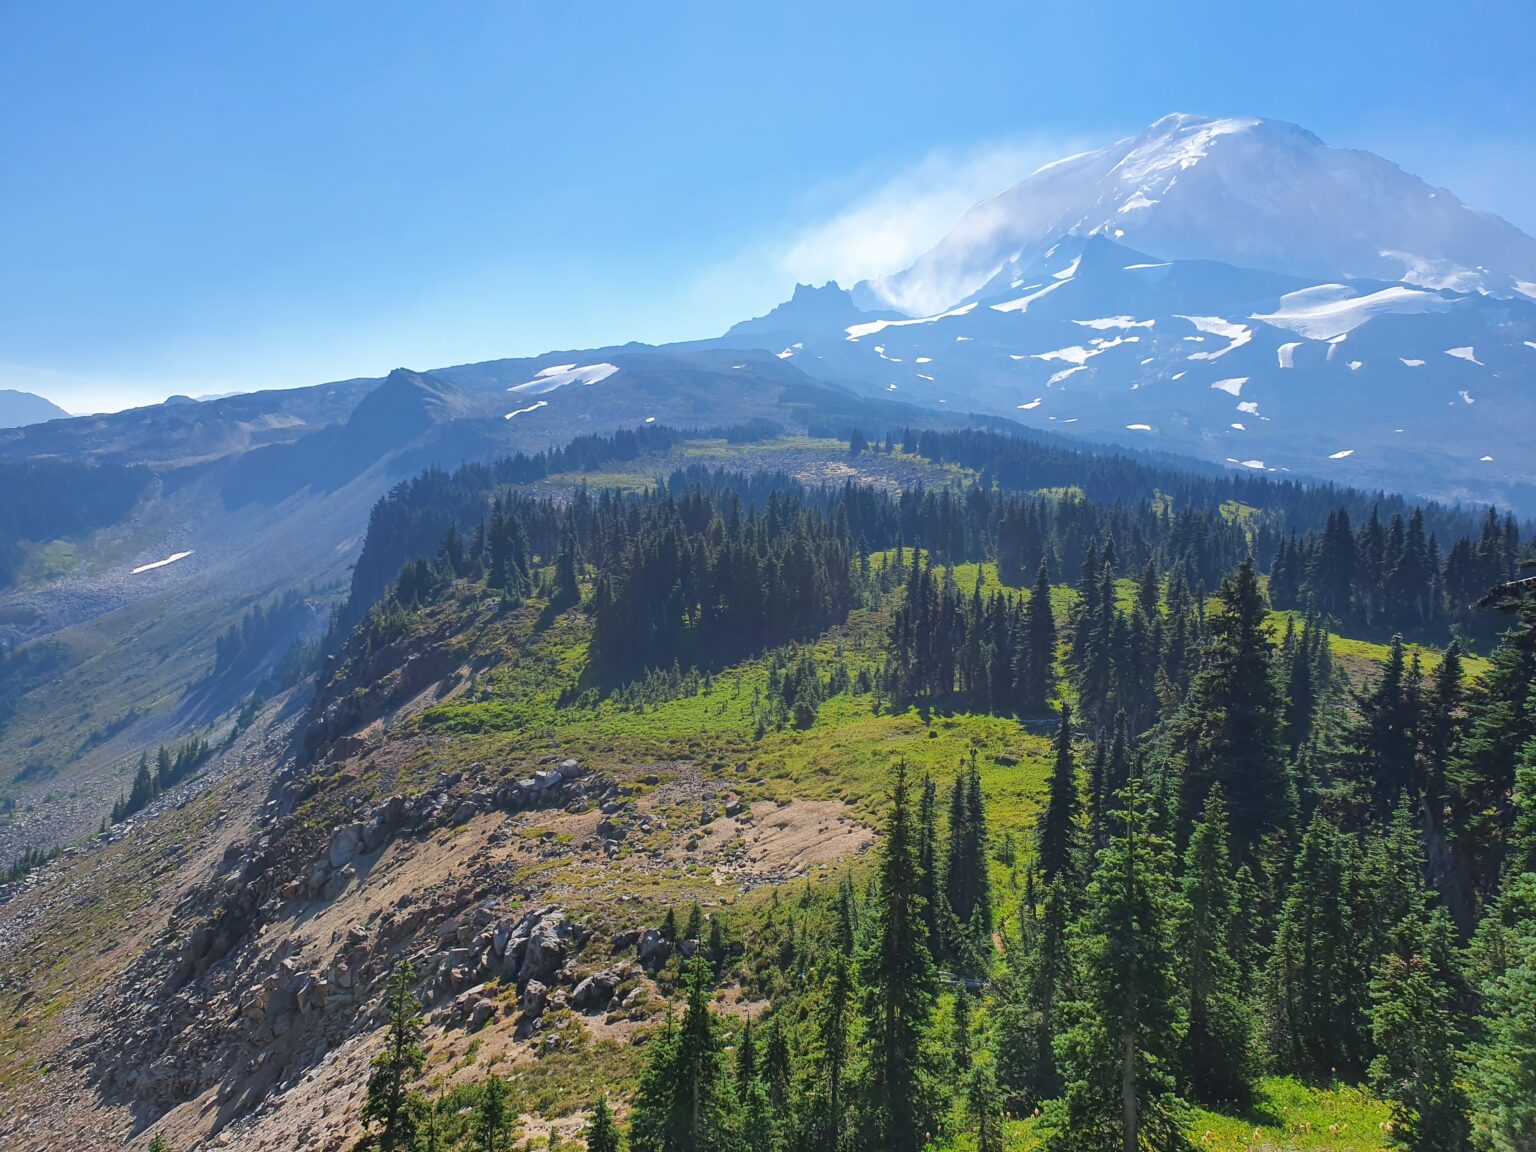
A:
(1288, 1116)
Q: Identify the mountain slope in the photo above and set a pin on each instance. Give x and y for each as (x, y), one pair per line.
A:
(18, 409)
(1253, 192)
(1371, 382)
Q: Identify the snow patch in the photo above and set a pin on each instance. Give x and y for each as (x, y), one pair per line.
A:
(1348, 452)
(561, 375)
(1411, 363)
(1069, 271)
(1138, 427)
(1329, 310)
(1287, 354)
(171, 559)
(1033, 404)
(1466, 354)
(1138, 267)
(1058, 377)
(1233, 387)
(1105, 322)
(854, 331)
(1238, 334)
(923, 360)
(1253, 463)
(1249, 406)
(1239, 425)
(534, 407)
(1023, 302)
(1486, 459)
(1466, 396)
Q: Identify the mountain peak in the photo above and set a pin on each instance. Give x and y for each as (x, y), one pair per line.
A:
(1248, 191)
(18, 409)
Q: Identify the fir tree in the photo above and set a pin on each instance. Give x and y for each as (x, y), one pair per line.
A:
(389, 1104)
(984, 1108)
(1414, 1027)
(1130, 1021)
(1228, 731)
(492, 1119)
(602, 1132)
(898, 985)
(1058, 838)
(1216, 1056)
(686, 1102)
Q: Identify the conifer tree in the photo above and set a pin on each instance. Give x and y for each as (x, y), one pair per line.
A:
(898, 986)
(1501, 1064)
(1228, 731)
(1057, 840)
(1416, 1034)
(686, 1102)
(984, 1107)
(389, 1104)
(602, 1133)
(1317, 975)
(960, 1046)
(492, 1120)
(1129, 1023)
(1217, 1050)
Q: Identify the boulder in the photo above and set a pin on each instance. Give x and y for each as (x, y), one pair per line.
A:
(570, 769)
(548, 946)
(626, 939)
(594, 992)
(654, 948)
(346, 843)
(535, 996)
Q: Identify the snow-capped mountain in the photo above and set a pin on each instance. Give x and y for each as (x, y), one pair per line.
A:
(1250, 192)
(1370, 382)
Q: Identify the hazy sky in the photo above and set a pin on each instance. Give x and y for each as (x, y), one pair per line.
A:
(210, 197)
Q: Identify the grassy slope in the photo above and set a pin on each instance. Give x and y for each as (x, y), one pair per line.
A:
(846, 754)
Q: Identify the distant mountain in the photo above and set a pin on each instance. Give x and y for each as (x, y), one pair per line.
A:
(1371, 382)
(1251, 192)
(18, 409)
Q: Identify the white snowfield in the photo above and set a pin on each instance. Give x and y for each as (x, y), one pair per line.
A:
(1468, 354)
(1234, 386)
(1344, 455)
(1238, 334)
(171, 559)
(1239, 190)
(1023, 302)
(1287, 354)
(548, 379)
(1139, 427)
(854, 331)
(1328, 311)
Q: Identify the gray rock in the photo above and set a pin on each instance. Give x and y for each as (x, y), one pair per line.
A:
(548, 946)
(594, 992)
(654, 948)
(535, 996)
(346, 843)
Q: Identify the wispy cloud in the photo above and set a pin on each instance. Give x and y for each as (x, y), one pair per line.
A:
(883, 228)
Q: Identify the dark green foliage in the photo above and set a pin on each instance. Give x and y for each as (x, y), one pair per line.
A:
(491, 1124)
(686, 1101)
(1228, 731)
(1217, 1054)
(1129, 1021)
(1416, 1033)
(1059, 833)
(898, 986)
(602, 1134)
(1317, 972)
(391, 1111)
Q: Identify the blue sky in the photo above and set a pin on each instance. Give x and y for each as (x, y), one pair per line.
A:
(204, 198)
